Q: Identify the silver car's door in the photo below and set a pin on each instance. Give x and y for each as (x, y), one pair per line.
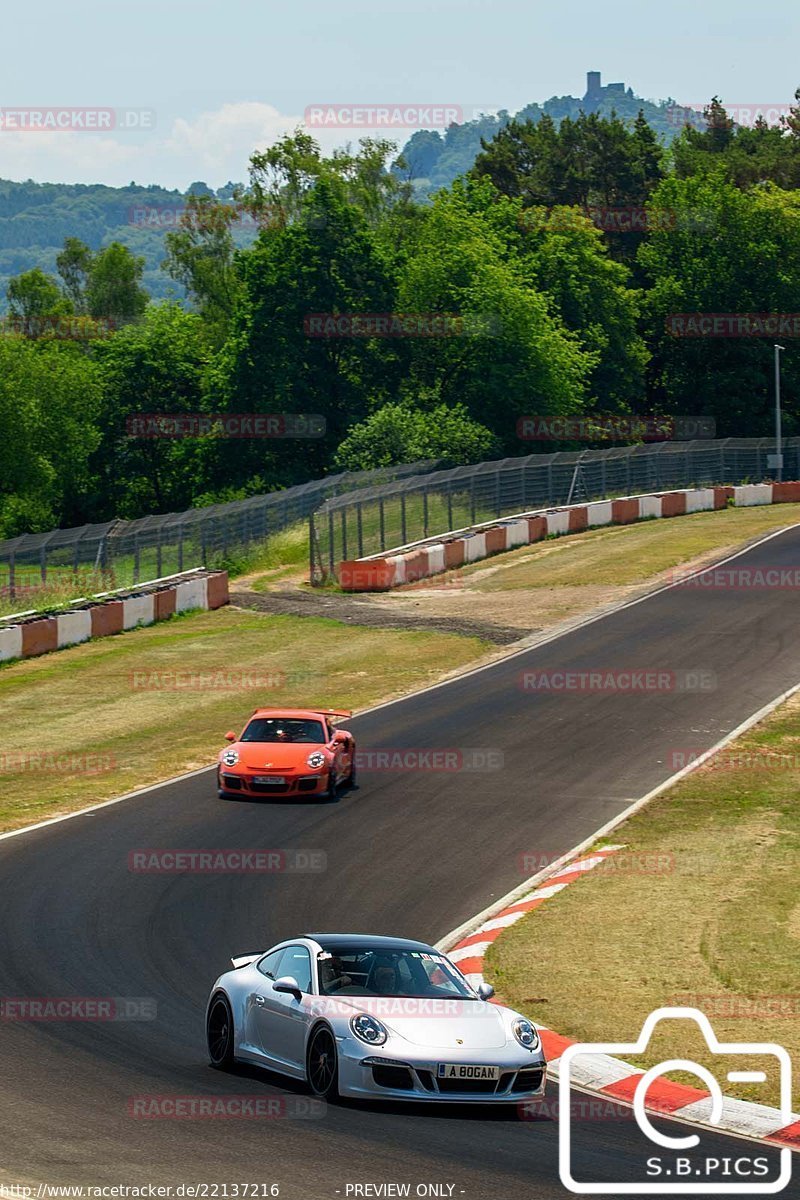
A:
(282, 1019)
(259, 983)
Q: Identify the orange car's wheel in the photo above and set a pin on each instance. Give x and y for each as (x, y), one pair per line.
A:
(330, 791)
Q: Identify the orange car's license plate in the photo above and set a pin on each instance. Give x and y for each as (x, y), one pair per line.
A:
(269, 779)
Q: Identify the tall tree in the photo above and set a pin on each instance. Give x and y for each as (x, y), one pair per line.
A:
(114, 291)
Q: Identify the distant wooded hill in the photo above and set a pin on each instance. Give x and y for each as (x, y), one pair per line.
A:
(35, 218)
(435, 159)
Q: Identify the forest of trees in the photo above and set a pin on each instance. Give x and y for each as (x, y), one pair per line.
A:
(541, 282)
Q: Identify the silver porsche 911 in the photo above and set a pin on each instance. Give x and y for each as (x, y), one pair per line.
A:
(370, 1018)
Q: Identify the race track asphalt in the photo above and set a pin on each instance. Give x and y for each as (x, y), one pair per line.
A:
(410, 852)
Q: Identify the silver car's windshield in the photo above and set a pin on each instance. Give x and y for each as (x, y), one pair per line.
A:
(363, 971)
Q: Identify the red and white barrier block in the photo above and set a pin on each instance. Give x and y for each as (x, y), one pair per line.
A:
(30, 634)
(603, 1074)
(448, 551)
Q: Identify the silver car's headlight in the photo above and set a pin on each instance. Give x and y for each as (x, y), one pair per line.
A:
(526, 1034)
(368, 1029)
(316, 759)
(230, 757)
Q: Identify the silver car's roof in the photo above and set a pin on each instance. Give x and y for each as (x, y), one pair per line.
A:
(365, 941)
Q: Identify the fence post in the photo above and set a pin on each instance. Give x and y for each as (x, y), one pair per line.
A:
(12, 591)
(360, 530)
(136, 558)
(449, 504)
(311, 549)
(382, 519)
(330, 540)
(472, 499)
(403, 534)
(180, 548)
(159, 567)
(344, 534)
(497, 491)
(43, 564)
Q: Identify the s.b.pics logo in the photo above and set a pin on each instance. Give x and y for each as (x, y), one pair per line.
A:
(673, 1160)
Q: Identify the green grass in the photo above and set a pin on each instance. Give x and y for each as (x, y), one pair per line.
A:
(715, 924)
(112, 703)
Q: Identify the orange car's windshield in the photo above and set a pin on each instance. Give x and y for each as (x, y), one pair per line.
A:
(286, 729)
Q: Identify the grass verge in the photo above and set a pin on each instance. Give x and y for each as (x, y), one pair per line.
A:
(701, 908)
(122, 712)
(617, 555)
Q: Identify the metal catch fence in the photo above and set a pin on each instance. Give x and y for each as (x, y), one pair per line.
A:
(378, 518)
(119, 553)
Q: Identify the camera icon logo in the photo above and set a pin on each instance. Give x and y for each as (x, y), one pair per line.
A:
(674, 1172)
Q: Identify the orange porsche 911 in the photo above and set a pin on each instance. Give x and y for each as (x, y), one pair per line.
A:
(288, 752)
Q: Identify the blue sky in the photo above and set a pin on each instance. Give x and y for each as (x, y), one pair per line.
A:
(223, 77)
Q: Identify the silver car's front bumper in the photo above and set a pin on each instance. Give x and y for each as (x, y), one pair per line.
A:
(367, 1073)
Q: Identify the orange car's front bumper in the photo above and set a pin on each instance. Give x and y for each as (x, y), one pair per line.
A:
(231, 782)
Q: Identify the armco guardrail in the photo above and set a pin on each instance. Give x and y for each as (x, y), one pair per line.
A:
(375, 519)
(453, 550)
(26, 635)
(123, 552)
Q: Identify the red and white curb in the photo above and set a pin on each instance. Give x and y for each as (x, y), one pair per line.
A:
(601, 1073)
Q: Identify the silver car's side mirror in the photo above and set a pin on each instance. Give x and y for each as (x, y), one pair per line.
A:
(288, 983)
(485, 991)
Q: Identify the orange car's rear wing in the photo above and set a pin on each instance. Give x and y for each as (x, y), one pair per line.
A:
(322, 712)
(334, 712)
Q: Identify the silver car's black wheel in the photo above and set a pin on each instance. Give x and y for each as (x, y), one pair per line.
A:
(219, 1033)
(322, 1068)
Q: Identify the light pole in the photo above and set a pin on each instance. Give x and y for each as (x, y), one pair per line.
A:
(778, 442)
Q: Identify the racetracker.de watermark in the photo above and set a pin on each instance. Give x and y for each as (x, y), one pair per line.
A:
(631, 218)
(56, 762)
(55, 119)
(227, 862)
(611, 427)
(225, 1108)
(166, 218)
(625, 681)
(226, 425)
(210, 679)
(777, 1007)
(77, 1008)
(681, 757)
(63, 327)
(383, 116)
(424, 758)
(400, 325)
(732, 325)
(735, 579)
(745, 113)
(622, 862)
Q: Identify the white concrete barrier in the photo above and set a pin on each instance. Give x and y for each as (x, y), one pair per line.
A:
(557, 522)
(10, 642)
(74, 627)
(517, 533)
(138, 610)
(436, 558)
(649, 506)
(191, 594)
(599, 513)
(474, 547)
(752, 493)
(702, 500)
(399, 563)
